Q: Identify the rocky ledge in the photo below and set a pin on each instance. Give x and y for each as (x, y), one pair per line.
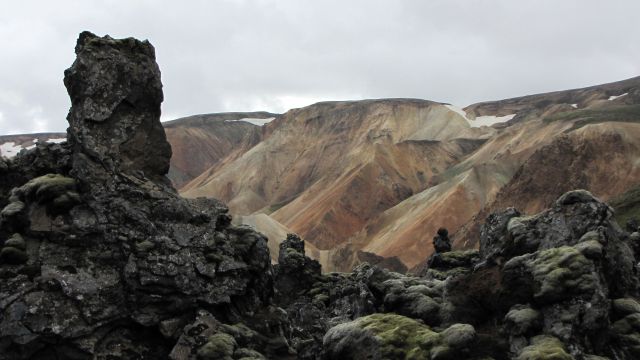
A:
(101, 259)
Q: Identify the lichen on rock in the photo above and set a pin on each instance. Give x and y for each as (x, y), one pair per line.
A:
(545, 348)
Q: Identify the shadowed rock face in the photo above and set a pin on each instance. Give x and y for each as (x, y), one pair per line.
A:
(100, 257)
(115, 92)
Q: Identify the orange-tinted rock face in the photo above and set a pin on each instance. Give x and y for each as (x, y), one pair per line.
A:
(327, 169)
(202, 142)
(381, 176)
(602, 158)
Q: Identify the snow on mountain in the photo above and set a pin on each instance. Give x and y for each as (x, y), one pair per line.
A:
(255, 121)
(481, 120)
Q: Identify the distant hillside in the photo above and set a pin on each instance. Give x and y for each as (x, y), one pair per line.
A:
(201, 142)
(381, 176)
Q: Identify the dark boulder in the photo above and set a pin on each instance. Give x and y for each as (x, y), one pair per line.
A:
(116, 92)
(441, 242)
(106, 260)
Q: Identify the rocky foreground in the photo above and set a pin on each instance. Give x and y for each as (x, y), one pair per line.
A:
(101, 259)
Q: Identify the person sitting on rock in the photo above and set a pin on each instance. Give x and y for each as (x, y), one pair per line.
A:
(441, 242)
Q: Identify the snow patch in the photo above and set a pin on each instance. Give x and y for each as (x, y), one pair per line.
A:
(254, 121)
(481, 120)
(457, 110)
(615, 97)
(490, 120)
(575, 106)
(10, 149)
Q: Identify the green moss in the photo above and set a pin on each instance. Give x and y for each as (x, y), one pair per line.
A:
(65, 201)
(627, 332)
(145, 246)
(459, 336)
(518, 222)
(441, 352)
(561, 272)
(591, 249)
(545, 348)
(626, 306)
(621, 327)
(316, 291)
(248, 354)
(12, 209)
(214, 257)
(218, 347)
(16, 241)
(401, 337)
(47, 187)
(240, 331)
(444, 274)
(523, 319)
(460, 258)
(321, 298)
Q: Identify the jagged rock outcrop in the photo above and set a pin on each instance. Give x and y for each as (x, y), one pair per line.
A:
(561, 284)
(116, 92)
(101, 258)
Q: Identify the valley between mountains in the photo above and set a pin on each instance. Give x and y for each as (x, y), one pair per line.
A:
(364, 180)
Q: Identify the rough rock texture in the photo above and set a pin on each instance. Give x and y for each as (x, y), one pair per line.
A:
(116, 92)
(101, 261)
(561, 284)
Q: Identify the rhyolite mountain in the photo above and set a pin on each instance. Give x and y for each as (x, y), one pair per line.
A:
(101, 258)
(202, 142)
(373, 178)
(364, 180)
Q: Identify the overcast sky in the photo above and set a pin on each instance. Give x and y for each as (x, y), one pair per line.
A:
(220, 56)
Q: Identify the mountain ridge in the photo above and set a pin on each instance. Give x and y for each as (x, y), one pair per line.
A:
(322, 216)
(314, 197)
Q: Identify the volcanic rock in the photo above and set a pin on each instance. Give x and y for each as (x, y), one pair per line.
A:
(115, 92)
(112, 262)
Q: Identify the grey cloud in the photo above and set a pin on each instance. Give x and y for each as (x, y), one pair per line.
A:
(271, 55)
